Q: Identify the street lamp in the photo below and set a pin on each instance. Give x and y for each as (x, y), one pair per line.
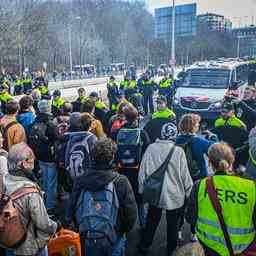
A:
(70, 44)
(173, 36)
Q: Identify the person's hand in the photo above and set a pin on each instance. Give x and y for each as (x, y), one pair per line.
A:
(59, 226)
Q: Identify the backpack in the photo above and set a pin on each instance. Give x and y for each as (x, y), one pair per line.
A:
(154, 183)
(194, 170)
(12, 231)
(77, 154)
(5, 134)
(38, 140)
(129, 147)
(97, 212)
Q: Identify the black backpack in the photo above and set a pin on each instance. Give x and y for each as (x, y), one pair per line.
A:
(38, 140)
(192, 163)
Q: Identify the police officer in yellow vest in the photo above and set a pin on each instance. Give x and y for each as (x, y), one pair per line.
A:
(100, 107)
(112, 88)
(162, 109)
(237, 197)
(57, 103)
(18, 86)
(165, 87)
(5, 97)
(27, 84)
(228, 117)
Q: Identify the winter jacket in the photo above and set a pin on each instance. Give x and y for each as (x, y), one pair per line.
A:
(3, 162)
(47, 119)
(246, 111)
(26, 119)
(41, 227)
(177, 182)
(96, 179)
(15, 133)
(200, 147)
(251, 165)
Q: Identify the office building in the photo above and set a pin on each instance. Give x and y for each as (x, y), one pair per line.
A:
(185, 21)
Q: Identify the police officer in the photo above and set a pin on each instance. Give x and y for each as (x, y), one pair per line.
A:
(5, 97)
(147, 89)
(81, 98)
(100, 107)
(18, 86)
(165, 87)
(228, 117)
(236, 198)
(112, 88)
(27, 84)
(162, 109)
(57, 103)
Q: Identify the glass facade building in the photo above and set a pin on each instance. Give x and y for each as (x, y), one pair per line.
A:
(215, 22)
(185, 21)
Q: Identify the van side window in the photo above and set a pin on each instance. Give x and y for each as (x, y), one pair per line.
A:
(242, 73)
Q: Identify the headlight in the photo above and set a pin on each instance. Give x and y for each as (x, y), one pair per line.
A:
(176, 101)
(216, 105)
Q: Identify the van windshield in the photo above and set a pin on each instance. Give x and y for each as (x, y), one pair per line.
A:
(206, 78)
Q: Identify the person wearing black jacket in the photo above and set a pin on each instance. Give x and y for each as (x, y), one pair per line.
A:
(246, 109)
(100, 175)
(41, 140)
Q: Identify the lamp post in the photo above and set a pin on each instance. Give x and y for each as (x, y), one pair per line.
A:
(173, 36)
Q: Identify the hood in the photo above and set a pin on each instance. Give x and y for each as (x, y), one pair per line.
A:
(22, 117)
(43, 117)
(95, 179)
(182, 138)
(206, 94)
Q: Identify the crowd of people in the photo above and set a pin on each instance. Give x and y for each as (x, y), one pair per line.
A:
(102, 170)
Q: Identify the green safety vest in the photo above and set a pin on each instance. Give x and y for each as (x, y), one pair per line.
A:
(111, 84)
(27, 81)
(147, 83)
(58, 102)
(166, 83)
(166, 113)
(237, 198)
(5, 97)
(132, 84)
(18, 83)
(100, 105)
(232, 121)
(43, 89)
(124, 84)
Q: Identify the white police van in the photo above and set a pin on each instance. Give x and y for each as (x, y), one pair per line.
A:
(203, 86)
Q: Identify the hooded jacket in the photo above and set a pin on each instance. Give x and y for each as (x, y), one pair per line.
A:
(200, 147)
(96, 179)
(26, 119)
(47, 119)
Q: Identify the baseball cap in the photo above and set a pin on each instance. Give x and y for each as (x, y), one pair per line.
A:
(161, 98)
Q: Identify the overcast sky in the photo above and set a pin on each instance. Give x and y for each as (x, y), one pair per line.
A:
(230, 8)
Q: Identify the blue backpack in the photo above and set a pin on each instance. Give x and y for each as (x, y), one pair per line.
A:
(129, 147)
(96, 213)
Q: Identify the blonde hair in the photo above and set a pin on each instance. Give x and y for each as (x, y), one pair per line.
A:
(188, 122)
(221, 156)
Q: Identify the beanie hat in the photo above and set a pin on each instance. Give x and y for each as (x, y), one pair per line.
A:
(44, 106)
(169, 131)
(74, 120)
